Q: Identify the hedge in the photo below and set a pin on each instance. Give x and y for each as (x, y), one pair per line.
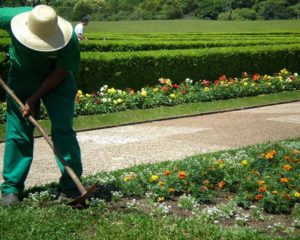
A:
(146, 45)
(139, 69)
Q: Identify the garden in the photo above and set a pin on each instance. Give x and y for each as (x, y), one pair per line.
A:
(247, 193)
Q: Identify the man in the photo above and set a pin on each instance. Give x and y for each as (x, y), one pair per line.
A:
(84, 21)
(44, 52)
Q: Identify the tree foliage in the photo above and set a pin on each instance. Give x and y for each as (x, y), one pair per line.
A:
(170, 9)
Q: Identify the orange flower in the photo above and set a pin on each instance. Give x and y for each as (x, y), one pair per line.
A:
(270, 154)
(295, 151)
(258, 197)
(182, 175)
(221, 184)
(287, 167)
(262, 189)
(286, 196)
(284, 180)
(171, 190)
(255, 173)
(261, 182)
(167, 173)
(274, 192)
(204, 189)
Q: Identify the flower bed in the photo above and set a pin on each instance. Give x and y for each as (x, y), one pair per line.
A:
(108, 100)
(267, 175)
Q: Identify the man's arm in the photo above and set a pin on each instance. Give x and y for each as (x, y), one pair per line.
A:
(51, 82)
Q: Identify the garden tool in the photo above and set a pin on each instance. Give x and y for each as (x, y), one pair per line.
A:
(84, 192)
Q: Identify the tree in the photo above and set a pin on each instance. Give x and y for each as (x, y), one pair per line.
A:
(274, 9)
(296, 9)
(238, 14)
(210, 9)
(86, 7)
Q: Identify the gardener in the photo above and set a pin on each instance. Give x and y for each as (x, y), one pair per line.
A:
(44, 53)
(84, 21)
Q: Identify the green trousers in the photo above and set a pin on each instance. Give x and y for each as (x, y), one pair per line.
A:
(19, 143)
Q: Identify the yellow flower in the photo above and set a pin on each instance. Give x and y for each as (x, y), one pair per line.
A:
(155, 89)
(79, 92)
(154, 178)
(274, 192)
(172, 95)
(280, 78)
(119, 100)
(245, 83)
(284, 71)
(143, 93)
(161, 183)
(261, 182)
(168, 82)
(244, 163)
(161, 199)
(127, 178)
(297, 194)
(111, 90)
(206, 89)
(221, 166)
(88, 95)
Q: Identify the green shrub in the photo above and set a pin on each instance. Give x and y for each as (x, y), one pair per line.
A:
(140, 69)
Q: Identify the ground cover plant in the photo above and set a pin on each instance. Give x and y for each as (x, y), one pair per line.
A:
(248, 193)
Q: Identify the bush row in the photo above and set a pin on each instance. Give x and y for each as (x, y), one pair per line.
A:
(139, 69)
(146, 45)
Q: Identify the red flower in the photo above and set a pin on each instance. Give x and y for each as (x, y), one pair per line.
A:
(175, 86)
(183, 91)
(164, 88)
(255, 77)
(259, 196)
(222, 78)
(205, 83)
(216, 82)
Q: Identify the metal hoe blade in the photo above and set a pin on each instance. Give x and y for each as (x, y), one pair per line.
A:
(82, 197)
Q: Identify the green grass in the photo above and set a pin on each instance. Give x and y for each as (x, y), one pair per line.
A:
(174, 26)
(64, 223)
(136, 116)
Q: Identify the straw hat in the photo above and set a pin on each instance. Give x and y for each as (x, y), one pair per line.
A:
(41, 29)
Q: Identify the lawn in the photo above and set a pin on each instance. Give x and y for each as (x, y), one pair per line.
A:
(206, 26)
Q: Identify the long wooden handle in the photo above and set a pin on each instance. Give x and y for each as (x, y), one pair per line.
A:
(69, 170)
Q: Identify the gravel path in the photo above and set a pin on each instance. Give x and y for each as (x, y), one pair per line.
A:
(120, 147)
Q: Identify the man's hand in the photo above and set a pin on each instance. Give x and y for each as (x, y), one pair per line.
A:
(31, 107)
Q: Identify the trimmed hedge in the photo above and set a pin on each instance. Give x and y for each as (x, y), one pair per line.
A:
(139, 69)
(146, 45)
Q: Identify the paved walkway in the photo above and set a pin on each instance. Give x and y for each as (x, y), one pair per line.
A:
(120, 147)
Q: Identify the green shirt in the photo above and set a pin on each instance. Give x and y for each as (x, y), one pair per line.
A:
(35, 63)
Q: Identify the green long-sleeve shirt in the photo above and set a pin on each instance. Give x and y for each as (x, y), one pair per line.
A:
(35, 63)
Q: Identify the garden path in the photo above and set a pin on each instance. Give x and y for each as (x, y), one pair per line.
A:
(119, 147)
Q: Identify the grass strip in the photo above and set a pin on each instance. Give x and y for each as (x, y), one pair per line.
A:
(90, 122)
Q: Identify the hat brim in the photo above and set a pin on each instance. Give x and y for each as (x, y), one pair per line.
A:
(54, 42)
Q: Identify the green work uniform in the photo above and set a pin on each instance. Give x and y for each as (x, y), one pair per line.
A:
(29, 68)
